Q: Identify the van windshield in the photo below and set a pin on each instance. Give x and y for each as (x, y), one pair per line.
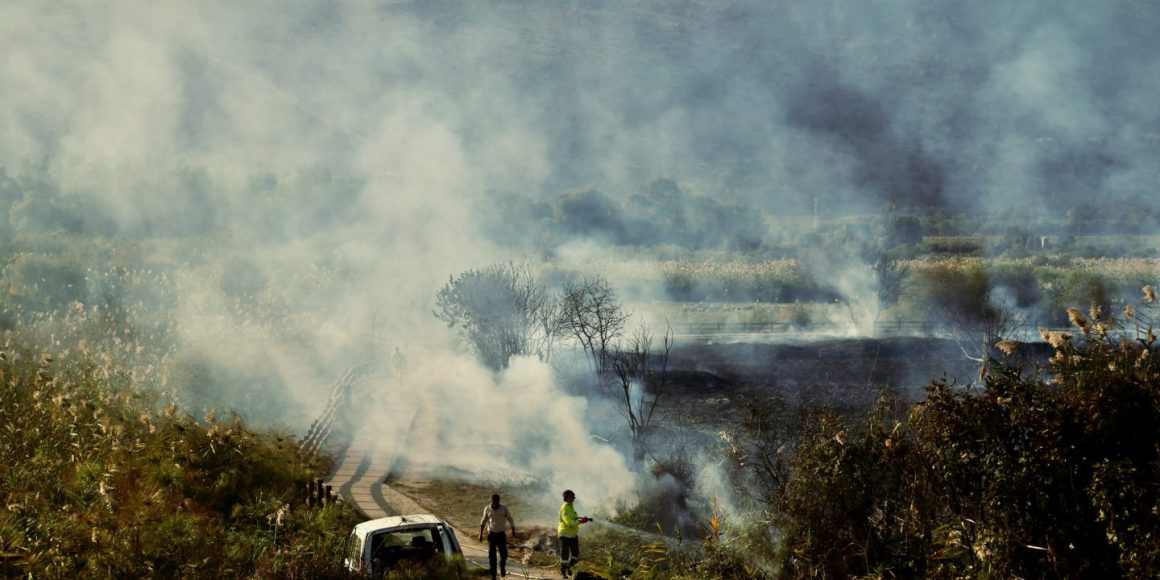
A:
(390, 547)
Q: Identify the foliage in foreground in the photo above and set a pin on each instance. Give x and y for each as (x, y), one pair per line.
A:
(99, 481)
(1034, 472)
(1046, 472)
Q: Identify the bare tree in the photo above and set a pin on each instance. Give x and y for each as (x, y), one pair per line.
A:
(891, 275)
(591, 312)
(642, 377)
(760, 448)
(979, 335)
(500, 310)
(967, 303)
(548, 326)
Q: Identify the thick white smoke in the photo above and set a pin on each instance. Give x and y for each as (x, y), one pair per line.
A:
(511, 428)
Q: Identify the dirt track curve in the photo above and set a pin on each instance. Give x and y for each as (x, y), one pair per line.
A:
(360, 475)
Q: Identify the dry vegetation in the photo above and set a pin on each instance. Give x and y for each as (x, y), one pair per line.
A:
(115, 469)
(114, 465)
(103, 480)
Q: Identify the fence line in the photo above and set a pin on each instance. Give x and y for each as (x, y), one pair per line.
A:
(881, 328)
(339, 400)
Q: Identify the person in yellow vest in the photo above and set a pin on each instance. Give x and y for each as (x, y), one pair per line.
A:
(569, 532)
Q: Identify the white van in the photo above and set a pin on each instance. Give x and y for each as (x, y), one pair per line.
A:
(379, 545)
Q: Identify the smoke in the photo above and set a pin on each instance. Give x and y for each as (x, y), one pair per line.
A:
(334, 163)
(515, 427)
(765, 102)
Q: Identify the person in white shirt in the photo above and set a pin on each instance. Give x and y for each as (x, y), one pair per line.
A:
(497, 519)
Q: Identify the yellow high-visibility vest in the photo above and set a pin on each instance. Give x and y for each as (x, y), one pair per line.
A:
(569, 521)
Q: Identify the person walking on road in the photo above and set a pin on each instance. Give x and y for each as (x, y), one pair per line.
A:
(398, 364)
(497, 518)
(569, 532)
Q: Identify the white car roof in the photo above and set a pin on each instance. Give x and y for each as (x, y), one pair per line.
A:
(418, 520)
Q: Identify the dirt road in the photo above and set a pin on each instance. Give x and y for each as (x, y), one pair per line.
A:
(360, 476)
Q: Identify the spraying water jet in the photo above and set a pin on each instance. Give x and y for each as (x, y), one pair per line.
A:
(669, 542)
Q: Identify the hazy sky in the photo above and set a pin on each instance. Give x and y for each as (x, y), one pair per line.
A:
(771, 101)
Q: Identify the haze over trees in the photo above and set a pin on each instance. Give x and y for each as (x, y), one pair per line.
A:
(591, 312)
(502, 311)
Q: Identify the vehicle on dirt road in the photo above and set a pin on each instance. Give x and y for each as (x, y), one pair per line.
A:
(378, 545)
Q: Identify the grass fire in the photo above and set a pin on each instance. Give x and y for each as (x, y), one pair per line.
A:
(743, 289)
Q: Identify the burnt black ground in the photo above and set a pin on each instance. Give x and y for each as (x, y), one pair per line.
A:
(710, 382)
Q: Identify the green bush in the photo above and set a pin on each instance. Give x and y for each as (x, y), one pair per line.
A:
(953, 245)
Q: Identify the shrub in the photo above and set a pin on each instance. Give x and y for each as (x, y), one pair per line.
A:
(1039, 472)
(855, 498)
